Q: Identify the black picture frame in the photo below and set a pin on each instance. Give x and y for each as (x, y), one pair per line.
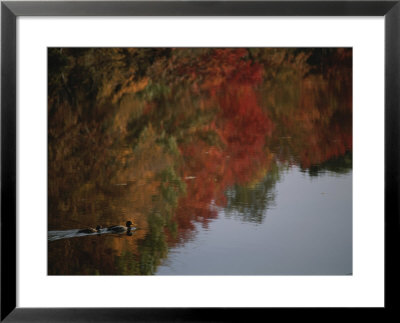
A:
(10, 10)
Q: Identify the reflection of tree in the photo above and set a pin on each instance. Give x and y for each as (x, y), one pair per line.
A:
(318, 128)
(339, 165)
(233, 151)
(250, 202)
(160, 135)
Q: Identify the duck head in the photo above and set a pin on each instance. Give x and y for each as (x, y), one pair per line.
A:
(128, 224)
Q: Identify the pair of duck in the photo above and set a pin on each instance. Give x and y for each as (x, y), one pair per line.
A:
(113, 229)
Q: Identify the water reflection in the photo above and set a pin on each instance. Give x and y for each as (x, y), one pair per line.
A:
(170, 137)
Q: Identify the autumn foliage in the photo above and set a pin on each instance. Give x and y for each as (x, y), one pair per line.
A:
(160, 135)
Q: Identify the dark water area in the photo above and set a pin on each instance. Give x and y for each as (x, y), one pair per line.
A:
(227, 161)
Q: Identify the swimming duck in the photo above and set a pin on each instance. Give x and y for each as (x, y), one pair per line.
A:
(120, 228)
(90, 230)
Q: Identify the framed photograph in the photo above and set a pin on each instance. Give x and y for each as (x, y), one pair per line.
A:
(197, 160)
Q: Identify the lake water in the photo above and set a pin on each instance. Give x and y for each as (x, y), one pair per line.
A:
(308, 231)
(227, 161)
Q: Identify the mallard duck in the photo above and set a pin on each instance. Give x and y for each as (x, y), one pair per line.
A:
(90, 230)
(120, 228)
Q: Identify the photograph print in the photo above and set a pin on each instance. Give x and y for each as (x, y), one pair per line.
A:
(199, 161)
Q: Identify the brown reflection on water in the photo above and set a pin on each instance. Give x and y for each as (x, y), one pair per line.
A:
(163, 137)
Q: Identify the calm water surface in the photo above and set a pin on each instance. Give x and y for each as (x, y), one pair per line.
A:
(227, 161)
(308, 231)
